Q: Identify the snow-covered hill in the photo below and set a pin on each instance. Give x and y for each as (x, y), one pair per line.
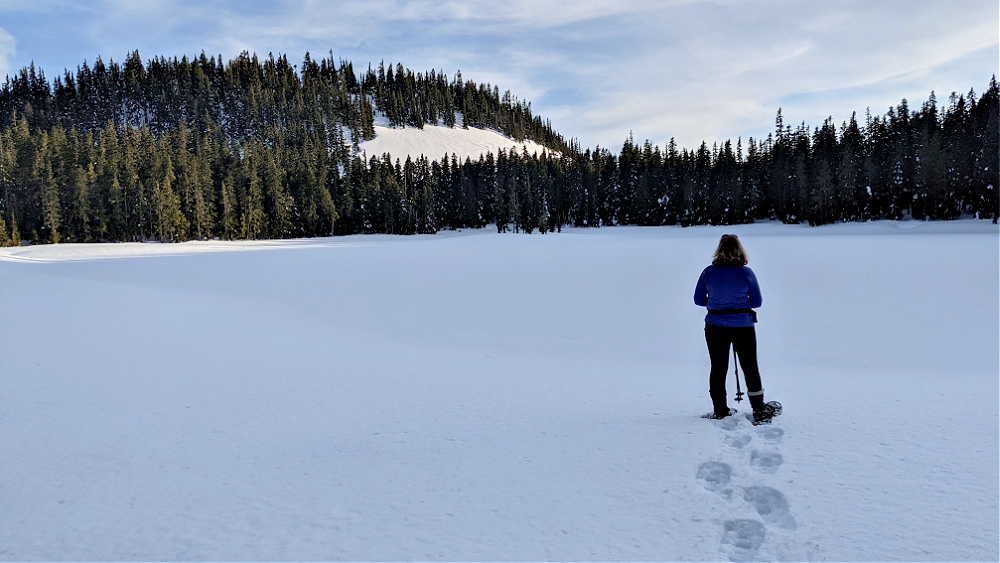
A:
(437, 141)
(498, 397)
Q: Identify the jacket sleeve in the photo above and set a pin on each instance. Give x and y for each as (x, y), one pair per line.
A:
(754, 290)
(701, 291)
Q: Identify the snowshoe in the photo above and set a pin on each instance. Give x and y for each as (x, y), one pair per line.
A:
(763, 416)
(713, 416)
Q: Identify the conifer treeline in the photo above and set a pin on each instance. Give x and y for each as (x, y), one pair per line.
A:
(924, 164)
(174, 150)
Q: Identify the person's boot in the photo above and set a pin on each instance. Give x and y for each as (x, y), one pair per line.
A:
(762, 412)
(720, 407)
(717, 415)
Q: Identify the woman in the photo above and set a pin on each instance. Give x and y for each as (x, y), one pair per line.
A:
(729, 289)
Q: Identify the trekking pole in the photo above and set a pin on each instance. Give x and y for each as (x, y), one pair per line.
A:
(736, 372)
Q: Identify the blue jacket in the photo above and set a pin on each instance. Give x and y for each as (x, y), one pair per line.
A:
(728, 287)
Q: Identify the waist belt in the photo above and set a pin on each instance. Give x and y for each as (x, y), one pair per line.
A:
(751, 312)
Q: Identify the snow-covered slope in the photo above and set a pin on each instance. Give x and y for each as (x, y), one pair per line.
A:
(481, 396)
(437, 141)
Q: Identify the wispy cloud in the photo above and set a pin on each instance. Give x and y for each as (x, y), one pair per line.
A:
(8, 45)
(691, 69)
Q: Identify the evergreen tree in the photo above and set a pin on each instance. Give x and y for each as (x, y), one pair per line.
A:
(230, 220)
(278, 203)
(5, 238)
(171, 225)
(252, 221)
(47, 189)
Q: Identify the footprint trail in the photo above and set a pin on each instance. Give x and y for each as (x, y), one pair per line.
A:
(761, 516)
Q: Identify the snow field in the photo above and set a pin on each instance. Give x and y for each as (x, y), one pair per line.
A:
(479, 396)
(437, 141)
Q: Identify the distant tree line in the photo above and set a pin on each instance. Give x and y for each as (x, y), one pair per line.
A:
(925, 164)
(184, 149)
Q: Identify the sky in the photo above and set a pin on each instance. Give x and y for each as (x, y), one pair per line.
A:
(692, 70)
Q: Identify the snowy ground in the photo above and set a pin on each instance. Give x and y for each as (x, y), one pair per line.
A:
(437, 141)
(475, 396)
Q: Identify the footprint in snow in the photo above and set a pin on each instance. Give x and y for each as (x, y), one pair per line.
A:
(714, 475)
(766, 462)
(742, 538)
(728, 423)
(771, 433)
(737, 440)
(771, 504)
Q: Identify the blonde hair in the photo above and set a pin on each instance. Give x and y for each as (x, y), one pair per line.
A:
(730, 252)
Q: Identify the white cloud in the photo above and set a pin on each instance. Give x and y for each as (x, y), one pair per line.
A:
(713, 71)
(8, 45)
(691, 69)
(528, 13)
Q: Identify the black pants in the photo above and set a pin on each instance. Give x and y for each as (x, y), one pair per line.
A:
(744, 339)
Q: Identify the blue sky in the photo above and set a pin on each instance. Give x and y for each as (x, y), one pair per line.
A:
(694, 70)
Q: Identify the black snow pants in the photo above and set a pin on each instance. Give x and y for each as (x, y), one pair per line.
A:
(744, 339)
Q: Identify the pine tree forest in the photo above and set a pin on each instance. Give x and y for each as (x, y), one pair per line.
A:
(173, 150)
